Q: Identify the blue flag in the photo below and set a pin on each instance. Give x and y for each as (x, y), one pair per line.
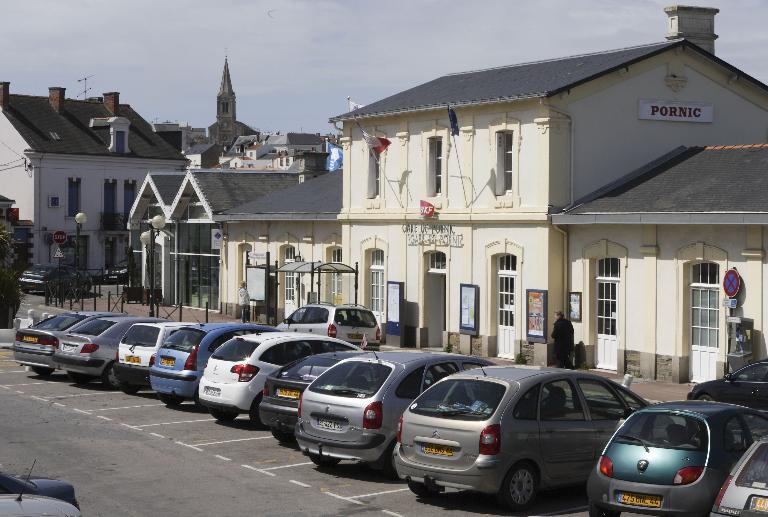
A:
(335, 158)
(454, 121)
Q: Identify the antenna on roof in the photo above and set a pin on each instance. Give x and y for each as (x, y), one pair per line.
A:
(18, 499)
(375, 355)
(483, 370)
(84, 80)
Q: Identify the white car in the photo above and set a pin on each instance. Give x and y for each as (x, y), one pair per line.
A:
(233, 379)
(349, 322)
(35, 506)
(136, 353)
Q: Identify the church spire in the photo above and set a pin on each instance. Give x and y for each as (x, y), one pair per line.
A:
(226, 82)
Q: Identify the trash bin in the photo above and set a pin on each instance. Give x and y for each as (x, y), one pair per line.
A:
(740, 335)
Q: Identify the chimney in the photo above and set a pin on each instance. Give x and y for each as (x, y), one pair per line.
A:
(112, 101)
(5, 94)
(56, 98)
(696, 24)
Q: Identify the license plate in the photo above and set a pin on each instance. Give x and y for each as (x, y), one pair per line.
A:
(29, 339)
(355, 335)
(437, 450)
(68, 348)
(648, 501)
(288, 394)
(135, 359)
(167, 361)
(213, 392)
(759, 504)
(331, 425)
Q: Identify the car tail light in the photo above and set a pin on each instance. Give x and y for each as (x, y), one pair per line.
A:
(117, 355)
(490, 440)
(48, 341)
(19, 336)
(152, 360)
(331, 330)
(606, 466)
(723, 490)
(245, 372)
(265, 391)
(373, 416)
(301, 396)
(89, 348)
(191, 362)
(400, 430)
(378, 333)
(687, 475)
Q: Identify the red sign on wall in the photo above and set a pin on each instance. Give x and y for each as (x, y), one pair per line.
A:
(427, 209)
(731, 283)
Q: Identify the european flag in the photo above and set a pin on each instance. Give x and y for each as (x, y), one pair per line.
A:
(454, 121)
(335, 158)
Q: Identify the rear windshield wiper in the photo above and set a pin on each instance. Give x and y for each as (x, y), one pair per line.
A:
(634, 439)
(347, 391)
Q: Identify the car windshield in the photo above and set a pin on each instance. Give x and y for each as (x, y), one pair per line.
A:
(664, 430)
(141, 335)
(39, 270)
(94, 327)
(235, 350)
(60, 322)
(355, 379)
(354, 318)
(308, 368)
(184, 339)
(755, 471)
(461, 399)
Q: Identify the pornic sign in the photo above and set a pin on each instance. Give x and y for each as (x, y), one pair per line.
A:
(429, 234)
(676, 111)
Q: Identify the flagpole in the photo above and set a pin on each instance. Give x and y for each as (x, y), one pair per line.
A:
(458, 160)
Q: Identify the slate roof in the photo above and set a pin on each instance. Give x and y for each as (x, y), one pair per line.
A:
(521, 81)
(4, 199)
(316, 198)
(715, 179)
(226, 190)
(167, 186)
(198, 148)
(68, 133)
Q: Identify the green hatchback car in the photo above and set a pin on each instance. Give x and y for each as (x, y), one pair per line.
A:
(672, 458)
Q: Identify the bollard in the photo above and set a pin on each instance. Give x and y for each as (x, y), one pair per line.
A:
(94, 302)
(70, 304)
(206, 312)
(122, 304)
(109, 301)
(627, 380)
(180, 312)
(31, 316)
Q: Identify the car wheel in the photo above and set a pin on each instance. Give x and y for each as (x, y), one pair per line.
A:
(196, 397)
(282, 436)
(387, 463)
(705, 396)
(520, 485)
(41, 371)
(323, 461)
(79, 378)
(169, 399)
(108, 377)
(253, 414)
(596, 511)
(422, 490)
(129, 389)
(222, 415)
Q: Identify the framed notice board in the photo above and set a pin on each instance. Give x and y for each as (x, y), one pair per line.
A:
(536, 315)
(469, 299)
(395, 296)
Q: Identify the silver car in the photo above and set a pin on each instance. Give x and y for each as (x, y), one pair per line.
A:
(509, 431)
(89, 351)
(34, 346)
(351, 411)
(746, 489)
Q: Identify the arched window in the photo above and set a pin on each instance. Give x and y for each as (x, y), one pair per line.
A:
(437, 262)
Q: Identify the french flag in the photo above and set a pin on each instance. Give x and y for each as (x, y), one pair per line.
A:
(377, 144)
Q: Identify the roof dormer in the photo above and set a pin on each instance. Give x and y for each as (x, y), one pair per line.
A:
(119, 128)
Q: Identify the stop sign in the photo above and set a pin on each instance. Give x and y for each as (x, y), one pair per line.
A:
(59, 237)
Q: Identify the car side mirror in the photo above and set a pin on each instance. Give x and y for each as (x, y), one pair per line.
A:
(287, 321)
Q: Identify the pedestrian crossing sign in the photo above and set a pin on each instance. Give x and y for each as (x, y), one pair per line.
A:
(58, 254)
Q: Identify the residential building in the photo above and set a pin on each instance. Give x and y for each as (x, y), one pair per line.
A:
(203, 156)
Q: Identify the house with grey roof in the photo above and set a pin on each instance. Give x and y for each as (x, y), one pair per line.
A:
(65, 156)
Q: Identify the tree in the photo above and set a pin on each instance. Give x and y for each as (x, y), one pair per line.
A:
(10, 289)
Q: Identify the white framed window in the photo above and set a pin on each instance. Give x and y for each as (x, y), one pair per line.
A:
(705, 307)
(435, 166)
(437, 262)
(504, 161)
(336, 278)
(374, 175)
(289, 255)
(377, 281)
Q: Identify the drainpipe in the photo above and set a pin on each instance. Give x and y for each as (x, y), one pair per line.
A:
(565, 265)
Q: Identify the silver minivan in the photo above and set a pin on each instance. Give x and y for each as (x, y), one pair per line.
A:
(351, 411)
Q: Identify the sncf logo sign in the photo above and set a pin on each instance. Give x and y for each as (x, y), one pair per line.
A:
(675, 111)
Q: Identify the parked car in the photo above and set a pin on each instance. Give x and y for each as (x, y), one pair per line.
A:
(39, 276)
(351, 411)
(280, 399)
(89, 352)
(182, 357)
(746, 488)
(35, 506)
(672, 458)
(233, 380)
(136, 353)
(117, 274)
(747, 386)
(347, 322)
(34, 346)
(509, 431)
(38, 486)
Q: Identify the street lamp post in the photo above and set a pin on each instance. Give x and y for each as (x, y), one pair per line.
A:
(146, 239)
(149, 237)
(80, 220)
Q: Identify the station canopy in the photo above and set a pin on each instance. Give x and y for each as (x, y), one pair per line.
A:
(315, 267)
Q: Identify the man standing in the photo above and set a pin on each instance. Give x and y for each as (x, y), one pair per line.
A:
(562, 333)
(245, 301)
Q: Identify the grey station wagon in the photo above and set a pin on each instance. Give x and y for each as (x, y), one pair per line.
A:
(351, 411)
(509, 431)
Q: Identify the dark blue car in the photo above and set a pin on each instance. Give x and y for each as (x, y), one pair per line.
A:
(38, 486)
(180, 362)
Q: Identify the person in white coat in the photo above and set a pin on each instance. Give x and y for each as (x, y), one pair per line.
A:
(245, 303)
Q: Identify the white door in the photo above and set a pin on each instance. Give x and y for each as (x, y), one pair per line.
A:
(377, 285)
(607, 288)
(289, 282)
(705, 322)
(506, 307)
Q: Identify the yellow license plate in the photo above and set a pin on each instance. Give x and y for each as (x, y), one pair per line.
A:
(29, 339)
(167, 361)
(438, 450)
(288, 394)
(759, 504)
(648, 501)
(133, 359)
(355, 336)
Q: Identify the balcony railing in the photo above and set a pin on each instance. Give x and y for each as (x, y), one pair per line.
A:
(113, 222)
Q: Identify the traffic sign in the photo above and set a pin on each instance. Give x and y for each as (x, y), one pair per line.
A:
(731, 283)
(59, 237)
(58, 254)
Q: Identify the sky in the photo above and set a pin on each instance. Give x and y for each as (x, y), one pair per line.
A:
(294, 62)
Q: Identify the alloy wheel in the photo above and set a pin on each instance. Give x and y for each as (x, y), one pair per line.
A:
(521, 486)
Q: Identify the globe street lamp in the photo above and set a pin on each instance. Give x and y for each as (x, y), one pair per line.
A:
(146, 239)
(80, 220)
(158, 223)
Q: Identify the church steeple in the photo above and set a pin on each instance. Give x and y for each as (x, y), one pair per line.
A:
(226, 113)
(226, 82)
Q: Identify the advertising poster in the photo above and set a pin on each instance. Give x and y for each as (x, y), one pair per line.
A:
(574, 306)
(468, 313)
(536, 315)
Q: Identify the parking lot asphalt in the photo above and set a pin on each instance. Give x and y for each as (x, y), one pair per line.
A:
(130, 455)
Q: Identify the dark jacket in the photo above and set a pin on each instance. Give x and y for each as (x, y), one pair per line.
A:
(562, 333)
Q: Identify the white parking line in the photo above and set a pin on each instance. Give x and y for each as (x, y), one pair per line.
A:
(41, 399)
(347, 499)
(126, 407)
(393, 514)
(190, 446)
(230, 441)
(259, 470)
(59, 404)
(223, 458)
(15, 371)
(5, 387)
(79, 395)
(104, 418)
(379, 493)
(20, 392)
(81, 411)
(130, 426)
(299, 483)
(288, 466)
(157, 435)
(563, 512)
(178, 422)
(24, 384)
